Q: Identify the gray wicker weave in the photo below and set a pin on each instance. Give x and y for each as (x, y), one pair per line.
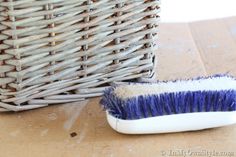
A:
(59, 51)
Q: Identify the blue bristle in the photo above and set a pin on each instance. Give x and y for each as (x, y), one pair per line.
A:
(181, 101)
(208, 102)
(214, 99)
(217, 104)
(201, 102)
(177, 104)
(186, 100)
(167, 100)
(142, 101)
(233, 103)
(136, 110)
(233, 106)
(195, 102)
(129, 112)
(138, 107)
(157, 104)
(224, 105)
(168, 103)
(164, 103)
(153, 108)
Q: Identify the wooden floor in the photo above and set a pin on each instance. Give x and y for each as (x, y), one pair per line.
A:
(80, 129)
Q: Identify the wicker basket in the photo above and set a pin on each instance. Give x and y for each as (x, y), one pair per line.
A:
(59, 51)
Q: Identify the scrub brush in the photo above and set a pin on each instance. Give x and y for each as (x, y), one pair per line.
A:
(173, 106)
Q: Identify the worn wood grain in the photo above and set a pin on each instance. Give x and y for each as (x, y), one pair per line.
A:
(216, 45)
(178, 56)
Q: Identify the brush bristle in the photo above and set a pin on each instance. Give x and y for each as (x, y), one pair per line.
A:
(145, 106)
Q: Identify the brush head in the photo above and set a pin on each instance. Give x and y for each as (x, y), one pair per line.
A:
(143, 100)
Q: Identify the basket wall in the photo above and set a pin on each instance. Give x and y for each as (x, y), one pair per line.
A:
(58, 51)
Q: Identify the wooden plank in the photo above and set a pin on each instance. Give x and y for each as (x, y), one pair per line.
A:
(216, 46)
(178, 56)
(231, 26)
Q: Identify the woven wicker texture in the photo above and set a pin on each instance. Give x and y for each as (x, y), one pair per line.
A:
(59, 51)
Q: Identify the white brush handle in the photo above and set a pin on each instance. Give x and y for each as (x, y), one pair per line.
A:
(173, 123)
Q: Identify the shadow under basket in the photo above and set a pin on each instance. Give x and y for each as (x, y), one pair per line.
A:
(62, 51)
